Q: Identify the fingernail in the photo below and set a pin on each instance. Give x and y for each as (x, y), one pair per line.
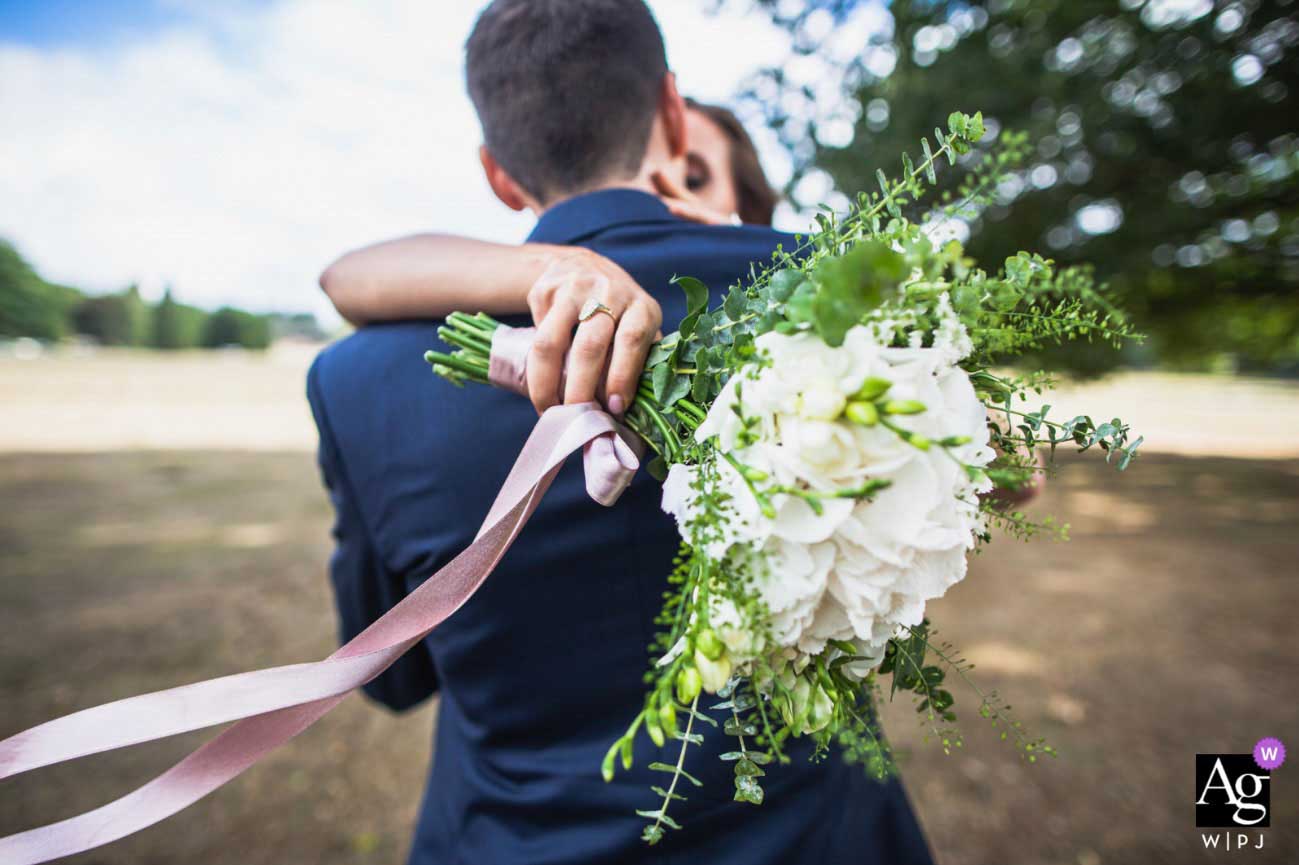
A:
(616, 404)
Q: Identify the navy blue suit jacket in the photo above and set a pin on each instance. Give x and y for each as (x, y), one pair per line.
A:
(542, 669)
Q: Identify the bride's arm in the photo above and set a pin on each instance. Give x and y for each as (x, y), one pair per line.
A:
(431, 275)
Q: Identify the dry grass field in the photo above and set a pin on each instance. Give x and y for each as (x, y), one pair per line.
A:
(130, 562)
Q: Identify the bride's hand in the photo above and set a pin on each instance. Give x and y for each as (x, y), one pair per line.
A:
(683, 204)
(608, 350)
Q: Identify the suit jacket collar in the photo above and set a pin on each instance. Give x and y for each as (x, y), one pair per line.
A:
(577, 218)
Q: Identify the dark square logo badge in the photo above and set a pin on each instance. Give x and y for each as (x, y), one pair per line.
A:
(1231, 791)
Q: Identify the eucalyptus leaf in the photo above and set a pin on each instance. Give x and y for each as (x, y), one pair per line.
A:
(782, 283)
(673, 770)
(659, 791)
(696, 293)
(736, 304)
(661, 380)
(677, 388)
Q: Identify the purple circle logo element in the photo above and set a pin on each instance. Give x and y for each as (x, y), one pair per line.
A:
(1269, 753)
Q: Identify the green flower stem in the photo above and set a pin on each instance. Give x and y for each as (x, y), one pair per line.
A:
(764, 502)
(469, 366)
(739, 725)
(681, 761)
(690, 408)
(689, 413)
(862, 217)
(481, 322)
(647, 417)
(671, 444)
(916, 666)
(906, 435)
(637, 427)
(1021, 440)
(1102, 330)
(1019, 413)
(1043, 421)
(989, 702)
(772, 741)
(470, 340)
(696, 582)
(867, 727)
(748, 316)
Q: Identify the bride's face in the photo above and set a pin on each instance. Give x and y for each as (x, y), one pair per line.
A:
(708, 163)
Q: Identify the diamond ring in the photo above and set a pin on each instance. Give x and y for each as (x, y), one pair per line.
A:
(592, 308)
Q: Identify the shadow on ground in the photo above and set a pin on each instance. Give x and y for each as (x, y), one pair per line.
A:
(1165, 627)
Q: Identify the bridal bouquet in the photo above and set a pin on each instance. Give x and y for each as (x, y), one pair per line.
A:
(830, 438)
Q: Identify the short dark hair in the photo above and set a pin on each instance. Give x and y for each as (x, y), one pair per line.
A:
(566, 90)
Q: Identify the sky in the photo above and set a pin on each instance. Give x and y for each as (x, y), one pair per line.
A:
(231, 150)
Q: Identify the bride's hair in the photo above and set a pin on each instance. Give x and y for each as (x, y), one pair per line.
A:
(755, 199)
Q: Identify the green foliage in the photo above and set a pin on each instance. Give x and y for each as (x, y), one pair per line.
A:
(114, 319)
(32, 307)
(921, 642)
(175, 325)
(228, 326)
(29, 306)
(1166, 147)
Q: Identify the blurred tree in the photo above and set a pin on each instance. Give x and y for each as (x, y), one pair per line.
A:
(228, 326)
(297, 325)
(175, 325)
(29, 306)
(1166, 148)
(141, 316)
(114, 319)
(106, 318)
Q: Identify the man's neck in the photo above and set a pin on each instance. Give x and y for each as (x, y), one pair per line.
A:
(641, 182)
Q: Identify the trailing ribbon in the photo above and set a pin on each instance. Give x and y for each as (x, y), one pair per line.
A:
(272, 706)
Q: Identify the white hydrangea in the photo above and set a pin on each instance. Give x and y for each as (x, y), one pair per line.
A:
(861, 569)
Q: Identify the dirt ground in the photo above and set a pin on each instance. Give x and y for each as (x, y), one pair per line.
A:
(162, 522)
(1165, 627)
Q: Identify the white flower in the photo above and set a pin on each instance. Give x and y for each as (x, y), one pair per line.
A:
(714, 674)
(852, 570)
(822, 401)
(744, 524)
(740, 641)
(951, 339)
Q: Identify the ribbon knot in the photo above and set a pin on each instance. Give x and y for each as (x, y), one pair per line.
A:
(609, 461)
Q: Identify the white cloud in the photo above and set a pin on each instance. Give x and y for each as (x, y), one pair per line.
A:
(236, 155)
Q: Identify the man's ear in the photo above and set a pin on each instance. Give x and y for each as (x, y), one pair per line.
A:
(506, 189)
(672, 108)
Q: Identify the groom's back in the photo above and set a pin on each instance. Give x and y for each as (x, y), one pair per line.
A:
(543, 668)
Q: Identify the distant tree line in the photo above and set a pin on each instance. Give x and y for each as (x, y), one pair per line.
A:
(33, 307)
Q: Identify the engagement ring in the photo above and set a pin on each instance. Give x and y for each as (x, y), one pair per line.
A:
(592, 308)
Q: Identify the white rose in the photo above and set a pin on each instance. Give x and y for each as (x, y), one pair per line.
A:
(857, 571)
(822, 401)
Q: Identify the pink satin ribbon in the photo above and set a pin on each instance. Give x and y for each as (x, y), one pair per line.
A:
(272, 706)
(610, 460)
